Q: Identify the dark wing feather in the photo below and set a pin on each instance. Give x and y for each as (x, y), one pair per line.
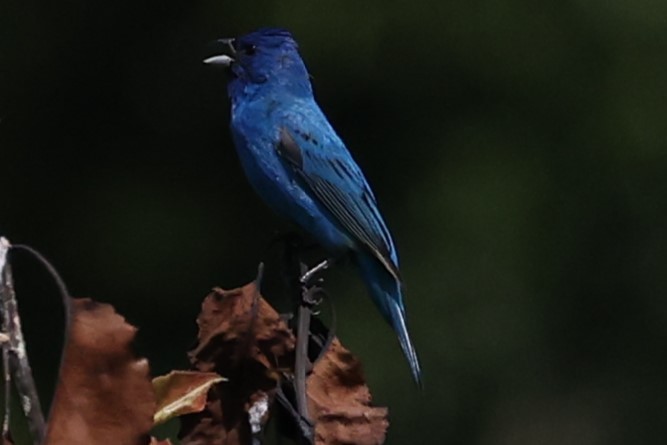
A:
(336, 182)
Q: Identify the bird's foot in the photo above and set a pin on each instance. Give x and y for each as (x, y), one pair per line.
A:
(313, 296)
(308, 276)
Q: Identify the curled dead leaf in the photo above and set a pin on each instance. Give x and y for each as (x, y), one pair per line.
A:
(239, 325)
(340, 401)
(241, 336)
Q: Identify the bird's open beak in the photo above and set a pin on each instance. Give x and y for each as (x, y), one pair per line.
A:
(223, 59)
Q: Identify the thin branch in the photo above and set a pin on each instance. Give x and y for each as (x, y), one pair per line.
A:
(4, 249)
(305, 428)
(60, 283)
(306, 291)
(7, 377)
(301, 361)
(64, 295)
(17, 356)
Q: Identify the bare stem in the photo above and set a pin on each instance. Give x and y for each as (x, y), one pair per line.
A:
(7, 377)
(16, 350)
(302, 362)
(301, 365)
(305, 428)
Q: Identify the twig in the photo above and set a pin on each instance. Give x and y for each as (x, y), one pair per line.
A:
(7, 377)
(60, 284)
(306, 290)
(7, 387)
(303, 334)
(17, 356)
(260, 407)
(305, 428)
(66, 300)
(301, 361)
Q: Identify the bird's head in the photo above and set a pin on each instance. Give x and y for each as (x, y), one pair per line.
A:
(265, 56)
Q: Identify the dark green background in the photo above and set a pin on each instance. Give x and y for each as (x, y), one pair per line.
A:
(518, 150)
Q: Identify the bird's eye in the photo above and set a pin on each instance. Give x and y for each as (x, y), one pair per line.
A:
(249, 49)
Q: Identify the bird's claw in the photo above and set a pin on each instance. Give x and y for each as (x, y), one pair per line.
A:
(306, 277)
(314, 295)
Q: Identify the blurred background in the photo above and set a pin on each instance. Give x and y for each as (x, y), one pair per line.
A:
(518, 150)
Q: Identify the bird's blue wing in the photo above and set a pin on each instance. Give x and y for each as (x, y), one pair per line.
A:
(331, 176)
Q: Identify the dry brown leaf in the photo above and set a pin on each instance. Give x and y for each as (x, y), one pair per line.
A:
(182, 392)
(104, 394)
(244, 338)
(237, 325)
(340, 401)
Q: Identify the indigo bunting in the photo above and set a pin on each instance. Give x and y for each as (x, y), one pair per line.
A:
(296, 162)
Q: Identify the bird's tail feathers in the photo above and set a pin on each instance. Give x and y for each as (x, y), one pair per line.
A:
(397, 320)
(386, 293)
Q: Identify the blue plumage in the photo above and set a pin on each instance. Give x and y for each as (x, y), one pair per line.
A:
(296, 162)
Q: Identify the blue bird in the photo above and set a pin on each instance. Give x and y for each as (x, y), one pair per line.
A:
(296, 162)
